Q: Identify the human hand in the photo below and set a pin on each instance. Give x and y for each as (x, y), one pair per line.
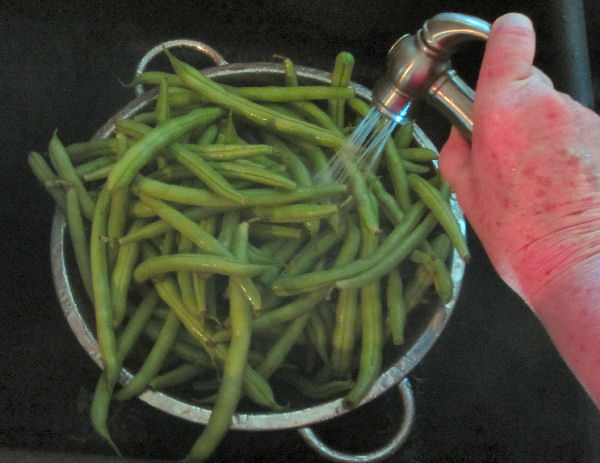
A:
(529, 184)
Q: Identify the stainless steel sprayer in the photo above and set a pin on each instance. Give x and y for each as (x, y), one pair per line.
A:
(419, 66)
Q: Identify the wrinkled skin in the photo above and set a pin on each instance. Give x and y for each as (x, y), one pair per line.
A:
(529, 185)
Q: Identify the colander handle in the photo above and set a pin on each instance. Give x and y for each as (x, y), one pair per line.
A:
(200, 47)
(386, 451)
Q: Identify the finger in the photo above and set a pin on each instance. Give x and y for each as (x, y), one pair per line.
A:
(509, 51)
(455, 161)
(541, 77)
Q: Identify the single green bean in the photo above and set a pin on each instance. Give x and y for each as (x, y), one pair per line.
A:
(79, 239)
(346, 313)
(162, 109)
(255, 174)
(64, 168)
(418, 154)
(268, 231)
(341, 75)
(101, 289)
(121, 278)
(396, 307)
(285, 342)
(440, 208)
(157, 266)
(295, 212)
(215, 152)
(312, 389)
(387, 202)
(398, 175)
(160, 227)
(117, 222)
(176, 376)
(96, 147)
(371, 352)
(403, 136)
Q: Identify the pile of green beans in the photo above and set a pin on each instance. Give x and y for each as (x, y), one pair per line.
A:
(217, 263)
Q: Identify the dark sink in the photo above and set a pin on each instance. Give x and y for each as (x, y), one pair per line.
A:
(493, 388)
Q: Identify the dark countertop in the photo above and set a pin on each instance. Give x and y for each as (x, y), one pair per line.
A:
(493, 388)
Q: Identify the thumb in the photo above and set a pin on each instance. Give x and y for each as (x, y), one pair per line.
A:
(509, 51)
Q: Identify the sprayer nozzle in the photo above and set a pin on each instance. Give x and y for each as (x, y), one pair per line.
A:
(392, 102)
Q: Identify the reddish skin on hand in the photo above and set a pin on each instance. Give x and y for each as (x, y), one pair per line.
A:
(529, 185)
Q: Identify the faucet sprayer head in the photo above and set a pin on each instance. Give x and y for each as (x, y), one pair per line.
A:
(419, 65)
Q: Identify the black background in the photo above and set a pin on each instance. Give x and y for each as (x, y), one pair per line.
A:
(493, 388)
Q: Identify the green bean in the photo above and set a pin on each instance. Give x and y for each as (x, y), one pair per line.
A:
(441, 210)
(99, 411)
(176, 376)
(117, 221)
(64, 168)
(316, 332)
(284, 254)
(268, 231)
(246, 286)
(418, 154)
(95, 164)
(153, 361)
(295, 212)
(255, 113)
(404, 135)
(343, 335)
(101, 289)
(185, 279)
(208, 136)
(230, 389)
(121, 278)
(396, 307)
(47, 178)
(398, 175)
(79, 239)
(442, 280)
(99, 174)
(215, 152)
(282, 346)
(141, 152)
(157, 266)
(386, 201)
(96, 147)
(136, 323)
(341, 75)
(229, 222)
(162, 102)
(255, 174)
(372, 330)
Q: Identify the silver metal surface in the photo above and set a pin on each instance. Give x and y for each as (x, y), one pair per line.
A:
(379, 454)
(79, 312)
(419, 66)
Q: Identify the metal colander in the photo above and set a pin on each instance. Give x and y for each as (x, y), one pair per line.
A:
(424, 327)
